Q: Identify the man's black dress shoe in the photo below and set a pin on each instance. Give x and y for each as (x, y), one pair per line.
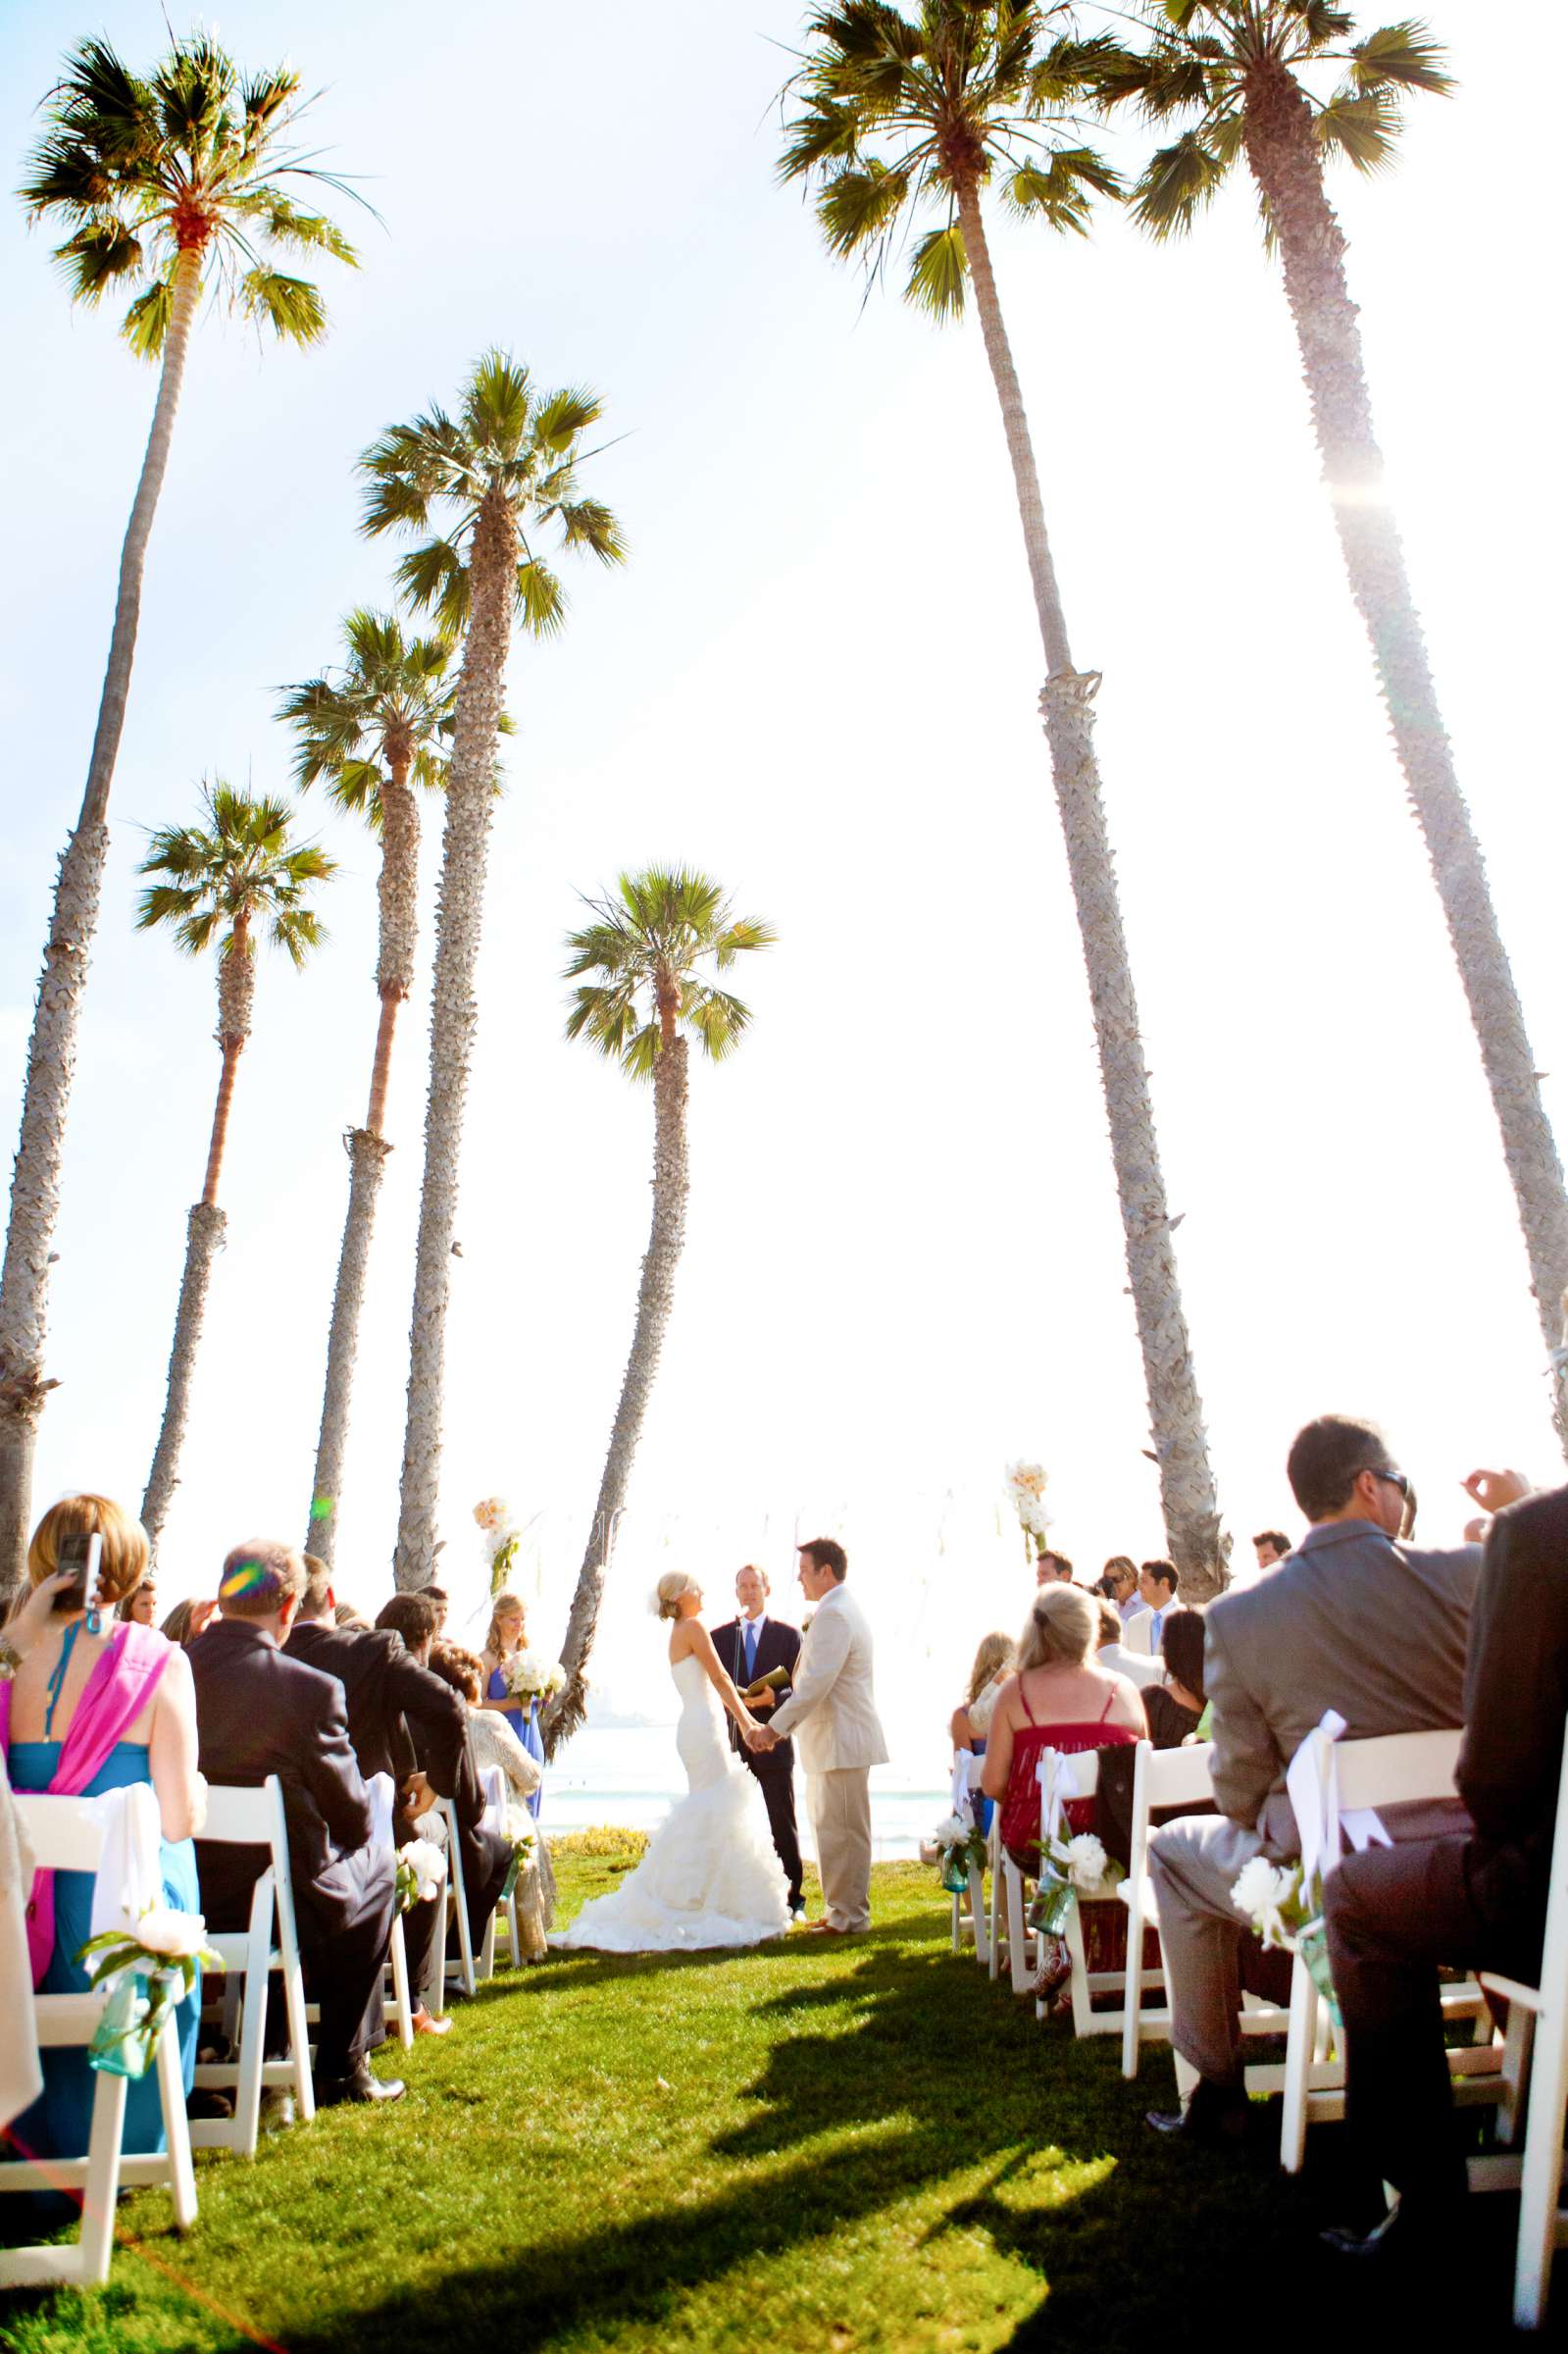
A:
(359, 2086)
(1214, 2119)
(1406, 2235)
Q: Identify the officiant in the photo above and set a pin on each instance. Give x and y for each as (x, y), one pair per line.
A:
(753, 1644)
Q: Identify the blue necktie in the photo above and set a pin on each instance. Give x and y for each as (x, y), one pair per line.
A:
(751, 1650)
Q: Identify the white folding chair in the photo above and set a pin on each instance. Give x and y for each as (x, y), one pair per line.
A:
(493, 1783)
(399, 2009)
(65, 1839)
(1065, 1776)
(462, 1968)
(967, 1772)
(1006, 1932)
(1535, 2051)
(1359, 1777)
(238, 1818)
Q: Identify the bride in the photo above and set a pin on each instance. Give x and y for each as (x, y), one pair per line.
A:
(710, 1875)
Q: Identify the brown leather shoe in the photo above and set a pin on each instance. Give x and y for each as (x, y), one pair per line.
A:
(422, 2023)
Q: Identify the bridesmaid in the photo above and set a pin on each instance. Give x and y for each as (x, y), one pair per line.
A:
(96, 1703)
(508, 1631)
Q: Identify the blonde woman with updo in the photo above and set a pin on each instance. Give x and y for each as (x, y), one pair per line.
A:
(710, 1876)
(92, 1701)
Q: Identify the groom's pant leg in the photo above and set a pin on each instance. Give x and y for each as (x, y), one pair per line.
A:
(779, 1790)
(840, 1816)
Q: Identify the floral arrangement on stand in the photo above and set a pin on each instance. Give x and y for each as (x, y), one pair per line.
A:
(421, 1870)
(149, 1971)
(502, 1538)
(1288, 1916)
(960, 1849)
(1026, 1488)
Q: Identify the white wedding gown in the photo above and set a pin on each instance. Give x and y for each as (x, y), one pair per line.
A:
(710, 1875)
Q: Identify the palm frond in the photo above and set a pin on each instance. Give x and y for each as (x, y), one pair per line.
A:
(1403, 56)
(1363, 128)
(1176, 183)
(939, 273)
(290, 306)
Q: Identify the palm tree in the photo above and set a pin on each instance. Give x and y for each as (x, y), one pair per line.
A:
(500, 474)
(1243, 77)
(226, 881)
(378, 729)
(647, 950)
(170, 185)
(897, 116)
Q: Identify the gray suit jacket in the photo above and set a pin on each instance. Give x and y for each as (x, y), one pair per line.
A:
(1352, 1621)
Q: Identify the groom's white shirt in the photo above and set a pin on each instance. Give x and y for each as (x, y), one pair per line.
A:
(831, 1710)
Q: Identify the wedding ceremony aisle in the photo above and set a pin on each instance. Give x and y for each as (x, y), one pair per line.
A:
(841, 2144)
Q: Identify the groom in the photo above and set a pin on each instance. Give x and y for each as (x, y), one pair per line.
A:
(750, 1645)
(840, 1738)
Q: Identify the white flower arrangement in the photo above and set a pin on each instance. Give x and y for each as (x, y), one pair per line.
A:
(420, 1870)
(1288, 1915)
(1026, 1487)
(530, 1676)
(960, 1848)
(502, 1538)
(1085, 1860)
(147, 1972)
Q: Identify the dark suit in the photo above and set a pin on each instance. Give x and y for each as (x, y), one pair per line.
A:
(778, 1646)
(1476, 1899)
(258, 1712)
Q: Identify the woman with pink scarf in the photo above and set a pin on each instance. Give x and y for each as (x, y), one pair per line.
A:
(94, 1703)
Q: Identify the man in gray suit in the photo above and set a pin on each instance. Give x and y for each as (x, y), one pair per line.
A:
(1353, 1621)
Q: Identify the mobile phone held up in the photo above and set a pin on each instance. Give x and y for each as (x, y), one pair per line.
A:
(80, 1555)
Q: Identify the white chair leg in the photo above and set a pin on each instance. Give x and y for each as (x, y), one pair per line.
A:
(1132, 1998)
(1298, 2052)
(993, 1958)
(176, 2128)
(976, 1909)
(298, 2039)
(1541, 2186)
(1518, 2045)
(1017, 1941)
(397, 1955)
(99, 2195)
(252, 2031)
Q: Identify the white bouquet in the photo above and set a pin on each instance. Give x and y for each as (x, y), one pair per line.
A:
(1070, 1868)
(147, 1971)
(1025, 1486)
(421, 1870)
(531, 1676)
(1288, 1915)
(959, 1847)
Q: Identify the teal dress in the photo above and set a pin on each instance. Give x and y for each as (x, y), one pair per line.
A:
(60, 2120)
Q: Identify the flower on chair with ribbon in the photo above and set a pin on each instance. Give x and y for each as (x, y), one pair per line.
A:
(421, 1870)
(960, 1850)
(149, 1971)
(1286, 1908)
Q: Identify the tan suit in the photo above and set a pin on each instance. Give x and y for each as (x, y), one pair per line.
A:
(831, 1712)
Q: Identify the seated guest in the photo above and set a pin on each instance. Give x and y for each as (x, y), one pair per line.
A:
(141, 1604)
(439, 1595)
(492, 1742)
(1473, 1899)
(1114, 1656)
(188, 1619)
(259, 1711)
(86, 1708)
(970, 1725)
(1354, 1621)
(487, 1854)
(1176, 1707)
(1271, 1545)
(1157, 1582)
(1052, 1569)
(345, 1614)
(1121, 1580)
(403, 1722)
(1057, 1701)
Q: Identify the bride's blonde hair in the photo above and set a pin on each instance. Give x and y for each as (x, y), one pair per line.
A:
(668, 1591)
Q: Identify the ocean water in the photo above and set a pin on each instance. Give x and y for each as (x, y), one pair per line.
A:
(631, 1775)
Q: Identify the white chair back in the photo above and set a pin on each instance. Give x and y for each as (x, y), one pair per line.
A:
(64, 1838)
(1161, 1778)
(247, 1817)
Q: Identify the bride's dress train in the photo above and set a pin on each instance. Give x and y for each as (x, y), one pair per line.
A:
(710, 1875)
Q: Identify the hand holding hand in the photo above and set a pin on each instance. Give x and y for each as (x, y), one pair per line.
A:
(1492, 1490)
(762, 1738)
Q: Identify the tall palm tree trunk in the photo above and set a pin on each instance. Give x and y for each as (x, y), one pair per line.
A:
(655, 1294)
(204, 1236)
(459, 919)
(1187, 1498)
(367, 1151)
(1287, 169)
(52, 1051)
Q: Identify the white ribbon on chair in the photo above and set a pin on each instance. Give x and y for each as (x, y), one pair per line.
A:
(1313, 1782)
(1057, 1775)
(379, 1790)
(961, 1782)
(128, 1879)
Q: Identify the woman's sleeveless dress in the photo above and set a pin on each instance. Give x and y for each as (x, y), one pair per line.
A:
(525, 1723)
(59, 2123)
(710, 1876)
(1021, 1805)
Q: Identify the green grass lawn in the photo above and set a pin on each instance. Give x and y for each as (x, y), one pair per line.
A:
(817, 2145)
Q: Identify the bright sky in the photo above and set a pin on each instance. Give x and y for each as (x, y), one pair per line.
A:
(816, 678)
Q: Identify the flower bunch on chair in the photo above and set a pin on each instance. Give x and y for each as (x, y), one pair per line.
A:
(1288, 1915)
(421, 1870)
(147, 1972)
(502, 1539)
(1070, 1868)
(960, 1849)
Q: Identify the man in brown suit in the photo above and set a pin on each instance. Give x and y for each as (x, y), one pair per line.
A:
(1353, 1621)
